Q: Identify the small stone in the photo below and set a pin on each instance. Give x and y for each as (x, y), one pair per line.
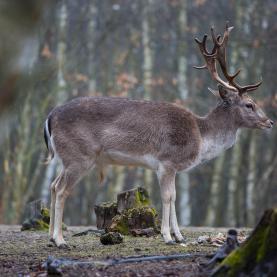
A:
(111, 238)
(203, 239)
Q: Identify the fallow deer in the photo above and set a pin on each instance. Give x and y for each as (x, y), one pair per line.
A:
(92, 132)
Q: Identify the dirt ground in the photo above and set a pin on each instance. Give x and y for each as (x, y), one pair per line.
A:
(23, 254)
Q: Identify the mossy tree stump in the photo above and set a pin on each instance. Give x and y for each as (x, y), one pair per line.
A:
(37, 217)
(132, 211)
(134, 198)
(135, 219)
(257, 256)
(104, 214)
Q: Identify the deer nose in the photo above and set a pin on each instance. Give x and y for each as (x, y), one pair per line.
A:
(271, 122)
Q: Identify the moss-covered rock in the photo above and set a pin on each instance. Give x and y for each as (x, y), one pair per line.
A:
(257, 256)
(136, 218)
(39, 221)
(34, 225)
(111, 238)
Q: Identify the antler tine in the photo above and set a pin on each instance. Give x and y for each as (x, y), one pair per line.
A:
(203, 49)
(221, 57)
(202, 44)
(210, 58)
(244, 89)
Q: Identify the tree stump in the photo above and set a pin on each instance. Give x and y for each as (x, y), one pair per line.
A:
(104, 214)
(257, 256)
(37, 217)
(131, 212)
(136, 218)
(134, 198)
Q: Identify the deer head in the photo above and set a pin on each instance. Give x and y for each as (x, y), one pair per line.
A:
(242, 108)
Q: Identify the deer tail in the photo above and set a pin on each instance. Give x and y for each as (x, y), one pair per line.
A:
(47, 138)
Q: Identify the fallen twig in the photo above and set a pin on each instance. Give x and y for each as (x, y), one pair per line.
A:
(89, 231)
(55, 266)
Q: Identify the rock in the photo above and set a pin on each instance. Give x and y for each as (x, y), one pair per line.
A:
(136, 218)
(104, 214)
(257, 256)
(203, 239)
(111, 238)
(134, 198)
(52, 266)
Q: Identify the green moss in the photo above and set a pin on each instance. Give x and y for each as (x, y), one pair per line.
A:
(41, 225)
(135, 218)
(120, 224)
(263, 245)
(142, 198)
(45, 215)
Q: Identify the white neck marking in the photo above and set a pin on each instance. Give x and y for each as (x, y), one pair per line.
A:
(212, 146)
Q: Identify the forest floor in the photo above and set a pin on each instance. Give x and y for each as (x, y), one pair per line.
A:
(24, 253)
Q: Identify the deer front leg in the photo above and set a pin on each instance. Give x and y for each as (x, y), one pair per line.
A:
(62, 189)
(166, 178)
(59, 207)
(52, 206)
(173, 217)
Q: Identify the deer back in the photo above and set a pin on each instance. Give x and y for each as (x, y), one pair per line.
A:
(99, 125)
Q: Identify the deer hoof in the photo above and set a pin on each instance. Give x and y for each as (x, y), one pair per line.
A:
(52, 240)
(171, 242)
(64, 246)
(181, 240)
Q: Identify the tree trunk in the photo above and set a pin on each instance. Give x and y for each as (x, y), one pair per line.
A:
(250, 183)
(183, 184)
(213, 204)
(147, 53)
(232, 185)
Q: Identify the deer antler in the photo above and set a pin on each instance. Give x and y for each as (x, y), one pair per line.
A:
(218, 53)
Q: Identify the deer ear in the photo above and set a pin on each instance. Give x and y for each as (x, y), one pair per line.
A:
(224, 93)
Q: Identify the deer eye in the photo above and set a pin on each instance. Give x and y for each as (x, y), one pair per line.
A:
(249, 106)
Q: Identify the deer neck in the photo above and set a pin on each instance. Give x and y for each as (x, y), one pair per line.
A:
(218, 132)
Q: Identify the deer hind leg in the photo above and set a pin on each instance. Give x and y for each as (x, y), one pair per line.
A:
(52, 206)
(70, 176)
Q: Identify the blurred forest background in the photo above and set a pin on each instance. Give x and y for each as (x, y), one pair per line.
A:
(52, 51)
